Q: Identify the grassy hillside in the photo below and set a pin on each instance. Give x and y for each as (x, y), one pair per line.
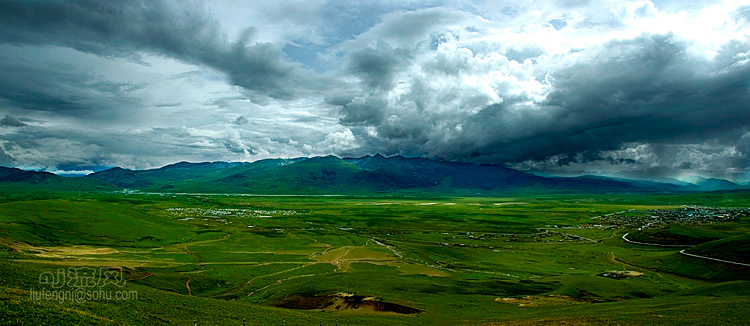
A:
(736, 248)
(311, 176)
(12, 179)
(159, 178)
(85, 222)
(533, 259)
(368, 175)
(364, 175)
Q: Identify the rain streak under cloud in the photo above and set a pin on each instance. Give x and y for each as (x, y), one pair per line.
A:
(641, 89)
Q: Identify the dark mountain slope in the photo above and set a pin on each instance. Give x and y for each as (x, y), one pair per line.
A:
(718, 184)
(17, 180)
(420, 172)
(368, 174)
(319, 175)
(161, 177)
(333, 175)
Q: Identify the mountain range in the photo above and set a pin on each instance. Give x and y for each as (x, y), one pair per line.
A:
(12, 179)
(333, 175)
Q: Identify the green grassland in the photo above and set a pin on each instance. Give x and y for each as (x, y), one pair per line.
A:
(219, 259)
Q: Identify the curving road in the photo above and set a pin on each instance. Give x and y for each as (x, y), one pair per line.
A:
(714, 259)
(624, 237)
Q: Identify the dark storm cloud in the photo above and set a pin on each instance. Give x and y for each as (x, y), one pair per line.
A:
(645, 90)
(60, 88)
(5, 159)
(182, 30)
(167, 105)
(60, 144)
(23, 143)
(387, 49)
(241, 121)
(377, 67)
(9, 121)
(557, 86)
(364, 111)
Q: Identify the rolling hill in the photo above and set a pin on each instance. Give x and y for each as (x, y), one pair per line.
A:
(363, 175)
(333, 175)
(13, 179)
(163, 176)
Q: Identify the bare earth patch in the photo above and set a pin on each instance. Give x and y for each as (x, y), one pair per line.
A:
(80, 256)
(542, 300)
(510, 203)
(60, 252)
(343, 257)
(344, 302)
(618, 275)
(70, 252)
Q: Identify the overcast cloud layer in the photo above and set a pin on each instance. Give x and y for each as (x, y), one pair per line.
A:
(637, 89)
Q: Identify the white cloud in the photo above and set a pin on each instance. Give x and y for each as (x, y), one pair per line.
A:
(479, 81)
(338, 141)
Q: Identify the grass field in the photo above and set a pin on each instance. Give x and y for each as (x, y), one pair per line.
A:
(219, 259)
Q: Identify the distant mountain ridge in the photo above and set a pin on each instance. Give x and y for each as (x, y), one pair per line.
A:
(371, 174)
(14, 179)
(330, 174)
(362, 175)
(171, 173)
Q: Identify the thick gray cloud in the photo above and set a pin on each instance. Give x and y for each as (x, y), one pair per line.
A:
(179, 29)
(5, 159)
(642, 90)
(577, 107)
(40, 87)
(9, 121)
(633, 88)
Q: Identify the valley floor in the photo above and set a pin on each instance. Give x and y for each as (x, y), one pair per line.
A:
(169, 259)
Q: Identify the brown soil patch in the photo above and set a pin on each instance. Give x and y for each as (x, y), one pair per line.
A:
(343, 302)
(510, 203)
(618, 275)
(543, 300)
(59, 252)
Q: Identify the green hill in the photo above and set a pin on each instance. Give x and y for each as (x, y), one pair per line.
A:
(363, 175)
(735, 249)
(12, 179)
(85, 222)
(320, 175)
(333, 175)
(159, 178)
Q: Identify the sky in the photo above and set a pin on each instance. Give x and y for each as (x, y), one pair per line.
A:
(636, 89)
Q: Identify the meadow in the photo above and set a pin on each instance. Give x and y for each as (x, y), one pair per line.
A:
(374, 260)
